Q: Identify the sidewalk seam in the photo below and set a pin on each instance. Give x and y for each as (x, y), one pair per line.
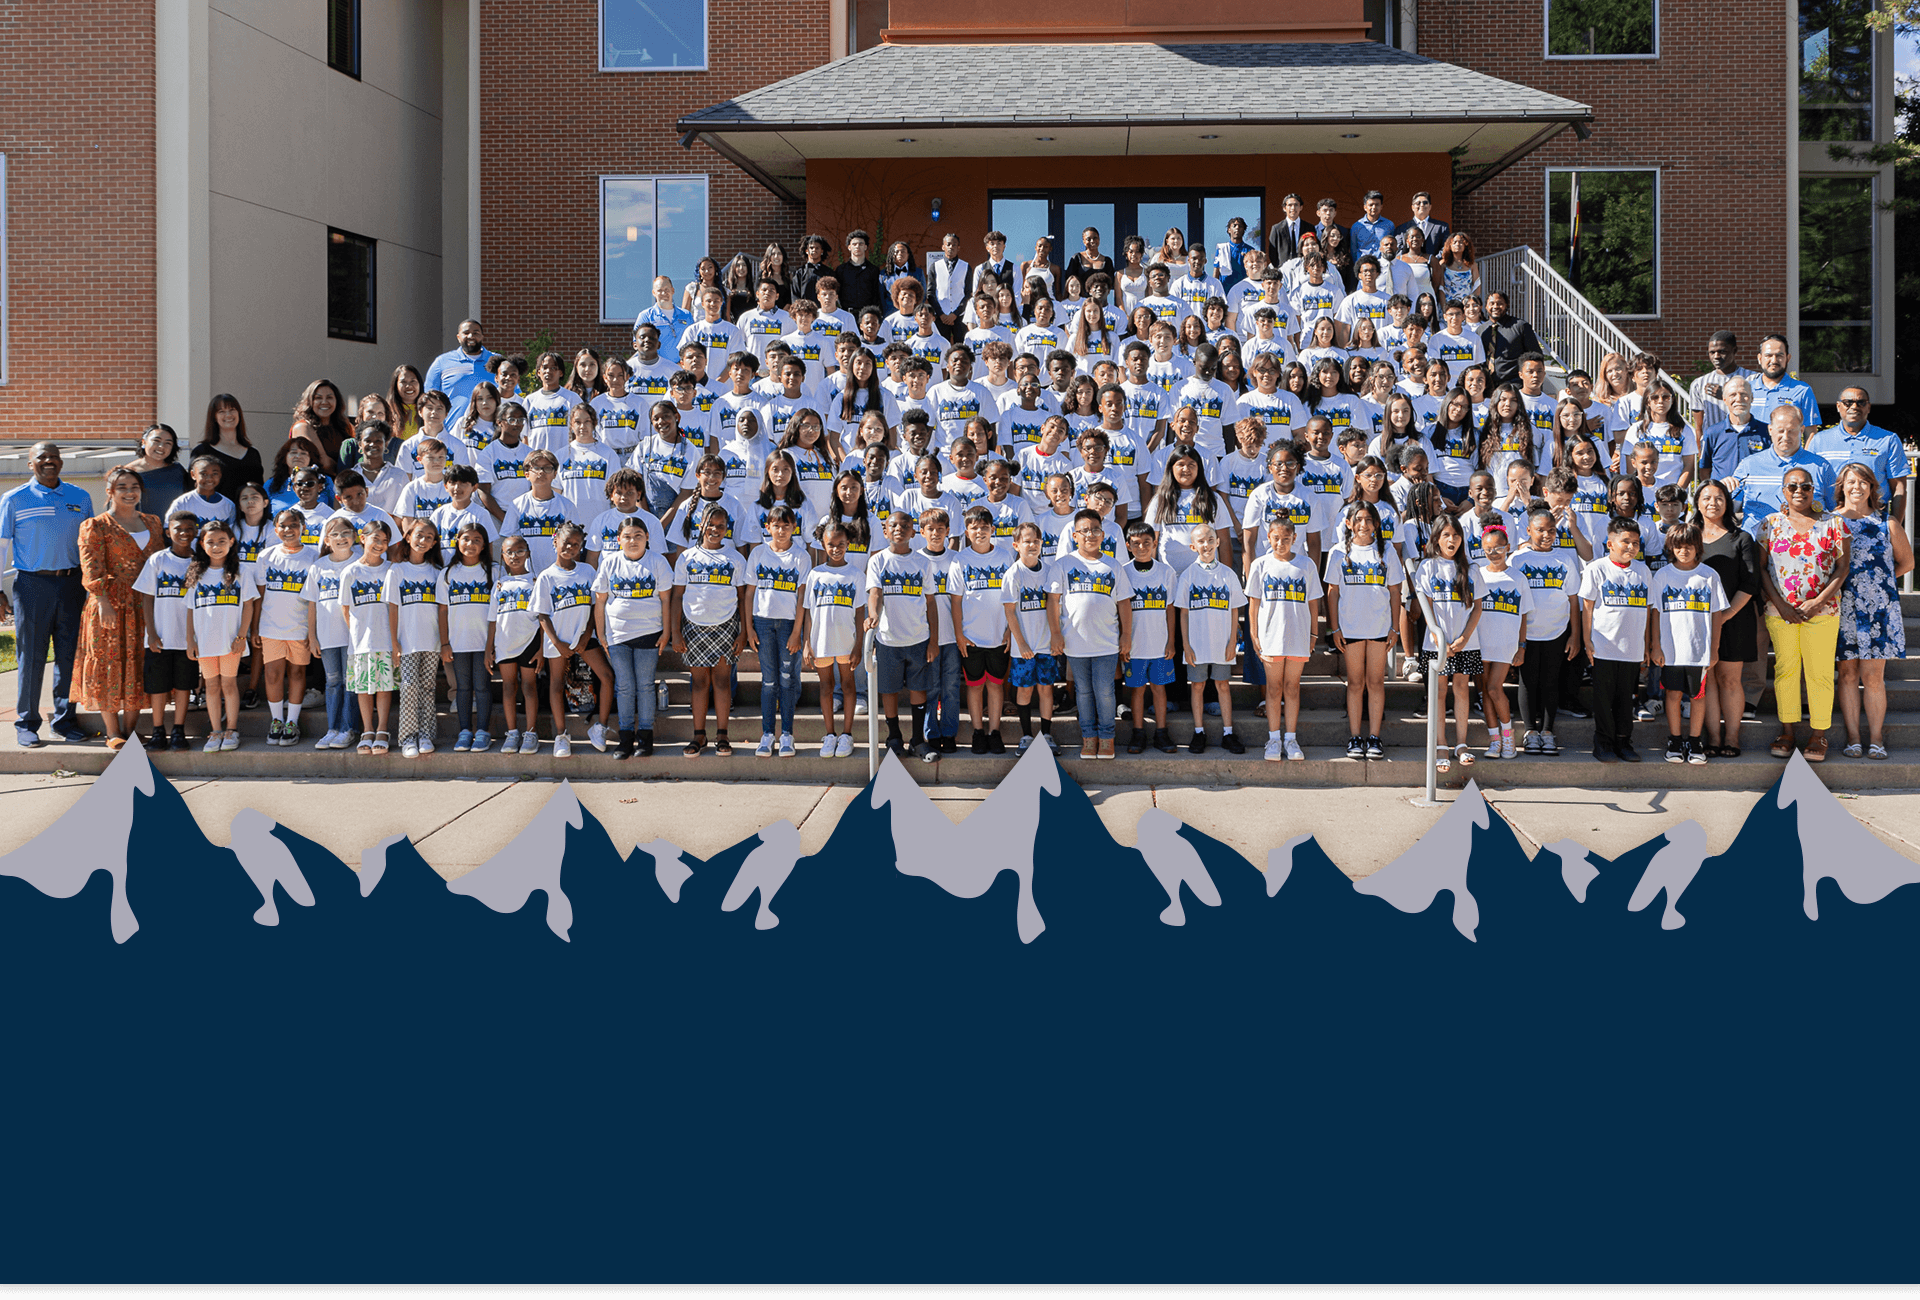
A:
(463, 812)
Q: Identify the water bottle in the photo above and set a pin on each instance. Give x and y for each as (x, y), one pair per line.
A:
(660, 695)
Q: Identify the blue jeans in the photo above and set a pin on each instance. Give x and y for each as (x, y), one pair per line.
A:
(946, 688)
(779, 673)
(472, 690)
(1093, 687)
(340, 715)
(46, 609)
(633, 684)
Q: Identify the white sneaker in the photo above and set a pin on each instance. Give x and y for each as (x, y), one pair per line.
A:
(1275, 751)
(315, 698)
(530, 742)
(1532, 744)
(1493, 744)
(1294, 752)
(845, 747)
(213, 744)
(409, 748)
(597, 737)
(765, 748)
(1506, 745)
(510, 743)
(230, 741)
(786, 744)
(830, 746)
(326, 741)
(563, 746)
(425, 744)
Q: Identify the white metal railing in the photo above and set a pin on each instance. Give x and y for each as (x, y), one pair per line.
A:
(1576, 333)
(869, 656)
(1436, 724)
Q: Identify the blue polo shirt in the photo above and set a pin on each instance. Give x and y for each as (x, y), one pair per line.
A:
(1874, 447)
(44, 525)
(1758, 479)
(1788, 392)
(1723, 447)
(671, 323)
(455, 373)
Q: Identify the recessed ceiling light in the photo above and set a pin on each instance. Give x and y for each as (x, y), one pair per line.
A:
(906, 139)
(1043, 137)
(1351, 135)
(1209, 137)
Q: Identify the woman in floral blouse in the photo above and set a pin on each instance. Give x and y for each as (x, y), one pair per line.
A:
(114, 547)
(1808, 557)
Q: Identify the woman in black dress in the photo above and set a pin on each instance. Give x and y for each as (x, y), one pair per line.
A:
(225, 439)
(1089, 260)
(1730, 552)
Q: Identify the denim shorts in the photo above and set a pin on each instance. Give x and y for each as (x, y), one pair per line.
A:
(901, 668)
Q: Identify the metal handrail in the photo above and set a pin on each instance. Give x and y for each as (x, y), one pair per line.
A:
(1434, 728)
(870, 657)
(1576, 333)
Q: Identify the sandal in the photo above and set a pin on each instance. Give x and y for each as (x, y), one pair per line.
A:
(382, 742)
(116, 743)
(722, 747)
(366, 743)
(1465, 754)
(1782, 746)
(1816, 750)
(1442, 759)
(697, 746)
(1876, 751)
(1726, 751)
(1851, 751)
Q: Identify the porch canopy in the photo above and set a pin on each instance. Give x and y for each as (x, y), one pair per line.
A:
(1130, 99)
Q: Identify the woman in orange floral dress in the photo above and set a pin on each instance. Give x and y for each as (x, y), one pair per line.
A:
(114, 547)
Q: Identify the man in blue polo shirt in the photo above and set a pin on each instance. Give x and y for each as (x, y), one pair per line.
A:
(662, 314)
(1773, 386)
(1854, 439)
(1730, 440)
(455, 373)
(42, 519)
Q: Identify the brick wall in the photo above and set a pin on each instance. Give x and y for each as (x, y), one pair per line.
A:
(551, 124)
(77, 127)
(1710, 112)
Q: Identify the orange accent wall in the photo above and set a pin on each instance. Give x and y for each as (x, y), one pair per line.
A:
(892, 197)
(937, 21)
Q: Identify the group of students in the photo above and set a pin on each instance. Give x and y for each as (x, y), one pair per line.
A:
(1008, 488)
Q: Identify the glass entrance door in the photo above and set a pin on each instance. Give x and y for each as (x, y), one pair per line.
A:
(1200, 215)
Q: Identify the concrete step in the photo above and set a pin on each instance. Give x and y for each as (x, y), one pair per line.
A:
(1324, 767)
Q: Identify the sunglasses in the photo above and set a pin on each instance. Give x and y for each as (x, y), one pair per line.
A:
(1799, 487)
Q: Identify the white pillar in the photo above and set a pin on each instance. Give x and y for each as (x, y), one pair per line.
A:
(183, 280)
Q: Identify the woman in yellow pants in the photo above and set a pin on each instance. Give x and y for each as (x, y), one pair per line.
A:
(1808, 557)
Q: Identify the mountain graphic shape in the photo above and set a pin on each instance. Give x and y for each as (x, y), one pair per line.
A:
(670, 867)
(1577, 869)
(766, 868)
(1672, 869)
(1835, 845)
(530, 862)
(1174, 862)
(94, 835)
(1437, 861)
(267, 862)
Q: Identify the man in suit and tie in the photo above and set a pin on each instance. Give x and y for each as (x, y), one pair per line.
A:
(997, 263)
(1283, 241)
(1329, 210)
(1435, 231)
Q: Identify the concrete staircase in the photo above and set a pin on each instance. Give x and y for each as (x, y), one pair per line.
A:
(1323, 734)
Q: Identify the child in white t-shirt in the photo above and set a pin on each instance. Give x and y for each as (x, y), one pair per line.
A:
(220, 593)
(162, 588)
(1445, 578)
(1363, 583)
(1282, 595)
(975, 579)
(513, 644)
(283, 625)
(372, 674)
(1207, 593)
(1090, 610)
(1032, 671)
(1506, 606)
(1614, 593)
(630, 587)
(1684, 641)
(416, 598)
(776, 574)
(563, 600)
(469, 591)
(1150, 664)
(831, 621)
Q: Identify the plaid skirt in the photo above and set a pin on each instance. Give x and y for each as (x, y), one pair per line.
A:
(711, 643)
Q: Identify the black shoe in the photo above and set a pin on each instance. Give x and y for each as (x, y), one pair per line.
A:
(1750, 714)
(177, 741)
(643, 743)
(1137, 743)
(1375, 749)
(979, 741)
(626, 745)
(1198, 745)
(996, 743)
(1604, 755)
(250, 699)
(157, 742)
(1356, 747)
(928, 750)
(897, 745)
(1164, 742)
(1626, 752)
(1569, 711)
(1231, 743)
(1676, 750)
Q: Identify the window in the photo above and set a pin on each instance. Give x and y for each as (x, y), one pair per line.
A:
(652, 36)
(350, 286)
(866, 19)
(1603, 235)
(1603, 29)
(1836, 71)
(649, 225)
(343, 37)
(1837, 279)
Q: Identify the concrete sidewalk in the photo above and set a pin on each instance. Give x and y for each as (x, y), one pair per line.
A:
(456, 825)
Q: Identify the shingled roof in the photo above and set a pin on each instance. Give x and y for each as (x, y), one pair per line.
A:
(1042, 85)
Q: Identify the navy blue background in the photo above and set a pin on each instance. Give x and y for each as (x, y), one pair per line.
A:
(890, 1086)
